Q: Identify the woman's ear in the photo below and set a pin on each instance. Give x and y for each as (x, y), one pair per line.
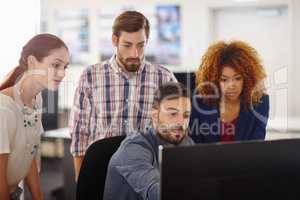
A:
(31, 61)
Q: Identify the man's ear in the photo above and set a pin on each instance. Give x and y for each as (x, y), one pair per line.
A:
(154, 115)
(115, 40)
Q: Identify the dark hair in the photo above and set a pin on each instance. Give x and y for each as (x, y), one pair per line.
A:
(238, 55)
(130, 21)
(40, 47)
(170, 90)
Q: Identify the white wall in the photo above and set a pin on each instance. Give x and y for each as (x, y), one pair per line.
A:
(294, 70)
(19, 21)
(192, 46)
(267, 30)
(198, 24)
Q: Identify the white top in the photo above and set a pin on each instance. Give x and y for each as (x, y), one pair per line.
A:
(19, 142)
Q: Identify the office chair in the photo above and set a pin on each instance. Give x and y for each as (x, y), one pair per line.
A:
(91, 179)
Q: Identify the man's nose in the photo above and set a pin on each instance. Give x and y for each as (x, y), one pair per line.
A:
(180, 120)
(134, 53)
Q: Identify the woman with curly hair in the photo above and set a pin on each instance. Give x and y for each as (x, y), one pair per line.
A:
(231, 103)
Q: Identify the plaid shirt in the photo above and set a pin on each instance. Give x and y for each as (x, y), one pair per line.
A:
(110, 102)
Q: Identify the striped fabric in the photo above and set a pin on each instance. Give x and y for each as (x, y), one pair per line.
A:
(110, 102)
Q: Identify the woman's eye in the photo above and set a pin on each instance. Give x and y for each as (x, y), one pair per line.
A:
(186, 116)
(55, 65)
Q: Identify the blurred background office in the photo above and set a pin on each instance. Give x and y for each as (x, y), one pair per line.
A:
(181, 31)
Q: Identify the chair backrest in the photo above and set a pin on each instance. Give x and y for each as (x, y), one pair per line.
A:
(92, 175)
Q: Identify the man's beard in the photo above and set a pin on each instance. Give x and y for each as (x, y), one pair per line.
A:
(130, 64)
(165, 133)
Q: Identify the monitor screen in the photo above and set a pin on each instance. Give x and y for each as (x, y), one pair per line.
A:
(238, 170)
(186, 78)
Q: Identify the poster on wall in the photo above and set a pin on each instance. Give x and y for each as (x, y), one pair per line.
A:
(164, 46)
(168, 31)
(73, 28)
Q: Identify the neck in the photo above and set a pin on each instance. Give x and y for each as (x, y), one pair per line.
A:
(119, 63)
(29, 90)
(225, 104)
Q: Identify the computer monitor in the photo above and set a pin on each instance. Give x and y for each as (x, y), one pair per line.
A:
(238, 170)
(186, 78)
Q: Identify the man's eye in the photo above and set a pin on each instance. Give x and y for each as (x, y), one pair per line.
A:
(173, 114)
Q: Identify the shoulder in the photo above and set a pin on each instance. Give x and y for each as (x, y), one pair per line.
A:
(265, 99)
(90, 71)
(259, 111)
(263, 105)
(7, 113)
(187, 141)
(200, 107)
(135, 140)
(133, 146)
(159, 69)
(89, 74)
(198, 101)
(7, 104)
(8, 109)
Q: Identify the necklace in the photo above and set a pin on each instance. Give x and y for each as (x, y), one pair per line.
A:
(30, 118)
(30, 114)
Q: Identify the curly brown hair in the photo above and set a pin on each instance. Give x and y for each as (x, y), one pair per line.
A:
(243, 59)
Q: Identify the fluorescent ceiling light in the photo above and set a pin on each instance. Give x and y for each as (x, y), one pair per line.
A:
(244, 1)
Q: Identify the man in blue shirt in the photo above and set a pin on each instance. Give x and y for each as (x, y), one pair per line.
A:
(133, 171)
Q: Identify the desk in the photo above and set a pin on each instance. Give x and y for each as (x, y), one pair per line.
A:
(69, 187)
(68, 167)
(283, 128)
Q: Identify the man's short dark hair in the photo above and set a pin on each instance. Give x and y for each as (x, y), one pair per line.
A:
(131, 21)
(170, 90)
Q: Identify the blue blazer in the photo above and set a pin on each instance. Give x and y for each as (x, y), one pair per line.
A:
(205, 126)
